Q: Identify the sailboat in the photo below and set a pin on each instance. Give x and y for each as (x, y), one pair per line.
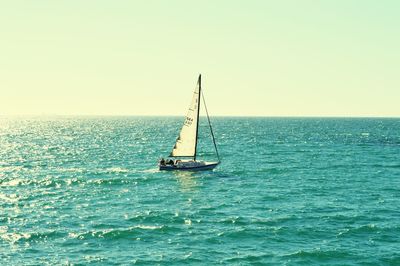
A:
(184, 153)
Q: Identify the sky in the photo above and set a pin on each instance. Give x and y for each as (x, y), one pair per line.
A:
(257, 58)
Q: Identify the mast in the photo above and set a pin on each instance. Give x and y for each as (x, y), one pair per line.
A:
(198, 113)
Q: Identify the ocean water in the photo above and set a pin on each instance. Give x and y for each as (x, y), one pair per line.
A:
(289, 191)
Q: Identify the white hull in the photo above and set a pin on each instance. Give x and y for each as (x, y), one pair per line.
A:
(189, 166)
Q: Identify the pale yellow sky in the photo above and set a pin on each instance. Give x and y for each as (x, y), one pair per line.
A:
(268, 58)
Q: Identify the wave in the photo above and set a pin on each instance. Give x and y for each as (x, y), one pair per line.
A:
(237, 220)
(151, 170)
(133, 232)
(14, 237)
(242, 233)
(55, 181)
(11, 168)
(12, 183)
(248, 259)
(10, 198)
(395, 166)
(158, 218)
(369, 229)
(319, 255)
(116, 170)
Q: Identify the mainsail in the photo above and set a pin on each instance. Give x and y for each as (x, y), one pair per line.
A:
(186, 143)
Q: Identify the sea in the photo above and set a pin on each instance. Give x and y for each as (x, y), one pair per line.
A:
(288, 191)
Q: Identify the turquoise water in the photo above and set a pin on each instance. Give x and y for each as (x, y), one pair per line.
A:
(289, 191)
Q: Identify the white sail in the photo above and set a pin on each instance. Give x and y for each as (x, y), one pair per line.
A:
(186, 142)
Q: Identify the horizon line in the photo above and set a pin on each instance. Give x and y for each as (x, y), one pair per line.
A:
(221, 116)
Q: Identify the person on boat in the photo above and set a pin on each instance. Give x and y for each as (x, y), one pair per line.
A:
(162, 161)
(170, 162)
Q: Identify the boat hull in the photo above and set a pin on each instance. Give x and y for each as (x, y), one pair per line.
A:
(189, 167)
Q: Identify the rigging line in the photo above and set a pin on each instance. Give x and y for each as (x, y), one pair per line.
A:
(209, 123)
